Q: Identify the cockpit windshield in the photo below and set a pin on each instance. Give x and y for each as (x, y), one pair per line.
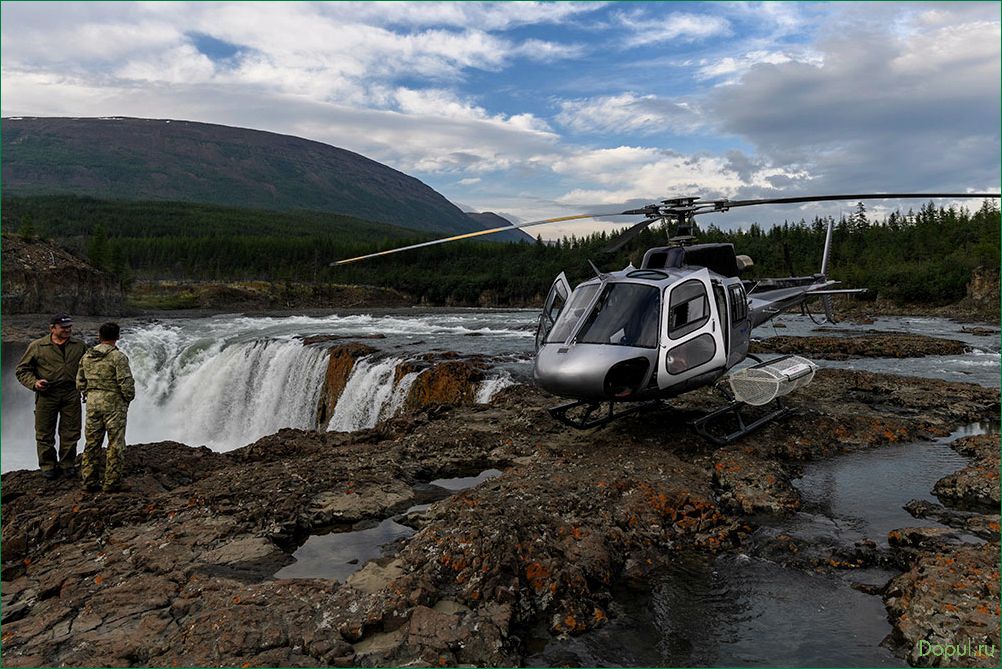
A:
(572, 313)
(626, 314)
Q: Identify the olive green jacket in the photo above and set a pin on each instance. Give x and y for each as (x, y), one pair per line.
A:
(106, 369)
(44, 360)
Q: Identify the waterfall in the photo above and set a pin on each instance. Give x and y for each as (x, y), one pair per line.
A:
(370, 394)
(218, 393)
(226, 393)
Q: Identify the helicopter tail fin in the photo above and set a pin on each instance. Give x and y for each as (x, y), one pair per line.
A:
(826, 301)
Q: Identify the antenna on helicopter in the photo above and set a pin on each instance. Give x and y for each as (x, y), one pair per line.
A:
(599, 273)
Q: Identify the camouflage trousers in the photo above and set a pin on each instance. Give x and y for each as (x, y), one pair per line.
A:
(106, 413)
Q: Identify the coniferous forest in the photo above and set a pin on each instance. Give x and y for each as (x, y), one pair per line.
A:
(924, 256)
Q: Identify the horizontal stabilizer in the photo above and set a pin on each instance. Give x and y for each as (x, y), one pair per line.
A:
(837, 291)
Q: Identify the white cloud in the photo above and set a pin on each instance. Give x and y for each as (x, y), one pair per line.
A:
(732, 68)
(443, 103)
(627, 173)
(629, 112)
(177, 65)
(676, 26)
(306, 49)
(481, 15)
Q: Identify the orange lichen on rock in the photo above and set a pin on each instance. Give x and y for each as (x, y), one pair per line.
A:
(340, 363)
(450, 382)
(537, 574)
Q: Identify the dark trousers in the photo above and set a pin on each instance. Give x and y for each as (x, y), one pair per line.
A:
(60, 405)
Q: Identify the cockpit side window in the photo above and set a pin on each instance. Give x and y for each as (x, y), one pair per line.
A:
(626, 314)
(689, 309)
(572, 313)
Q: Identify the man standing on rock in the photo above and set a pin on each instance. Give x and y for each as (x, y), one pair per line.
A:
(49, 368)
(106, 382)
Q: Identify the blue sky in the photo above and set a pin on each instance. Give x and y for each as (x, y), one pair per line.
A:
(545, 109)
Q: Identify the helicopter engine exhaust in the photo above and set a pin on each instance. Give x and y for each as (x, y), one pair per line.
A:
(764, 382)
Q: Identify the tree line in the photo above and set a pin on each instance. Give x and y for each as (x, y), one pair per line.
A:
(923, 256)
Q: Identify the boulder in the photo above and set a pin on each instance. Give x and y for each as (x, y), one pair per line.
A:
(448, 382)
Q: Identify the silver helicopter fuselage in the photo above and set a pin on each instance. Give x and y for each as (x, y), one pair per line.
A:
(641, 334)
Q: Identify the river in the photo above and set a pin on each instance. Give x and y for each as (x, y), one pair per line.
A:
(225, 381)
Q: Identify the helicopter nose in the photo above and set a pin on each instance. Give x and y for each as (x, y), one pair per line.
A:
(578, 371)
(569, 371)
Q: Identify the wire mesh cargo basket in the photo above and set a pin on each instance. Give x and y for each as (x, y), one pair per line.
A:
(766, 381)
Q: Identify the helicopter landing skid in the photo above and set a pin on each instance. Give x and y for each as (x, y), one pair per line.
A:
(584, 420)
(701, 424)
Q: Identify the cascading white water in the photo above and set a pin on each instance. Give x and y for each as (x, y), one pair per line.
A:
(370, 394)
(221, 394)
(226, 394)
(490, 387)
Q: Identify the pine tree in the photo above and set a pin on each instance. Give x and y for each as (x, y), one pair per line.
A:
(27, 230)
(97, 248)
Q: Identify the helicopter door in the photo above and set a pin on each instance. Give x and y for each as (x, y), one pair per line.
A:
(554, 304)
(692, 341)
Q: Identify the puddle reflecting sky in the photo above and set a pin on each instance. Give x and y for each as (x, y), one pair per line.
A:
(338, 555)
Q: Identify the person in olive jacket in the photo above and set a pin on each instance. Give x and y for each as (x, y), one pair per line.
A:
(49, 368)
(106, 381)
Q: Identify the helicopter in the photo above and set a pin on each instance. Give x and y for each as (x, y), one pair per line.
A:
(624, 341)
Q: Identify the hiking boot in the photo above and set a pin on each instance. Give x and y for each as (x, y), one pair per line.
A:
(92, 487)
(70, 472)
(50, 474)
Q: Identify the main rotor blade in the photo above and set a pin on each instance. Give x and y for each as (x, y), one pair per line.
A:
(469, 235)
(622, 240)
(723, 205)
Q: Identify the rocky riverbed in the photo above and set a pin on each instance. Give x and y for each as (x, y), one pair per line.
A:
(178, 569)
(873, 344)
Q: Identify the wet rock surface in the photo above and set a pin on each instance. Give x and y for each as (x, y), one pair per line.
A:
(977, 486)
(950, 596)
(176, 571)
(949, 593)
(875, 344)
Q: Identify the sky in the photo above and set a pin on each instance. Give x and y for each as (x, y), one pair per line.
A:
(536, 110)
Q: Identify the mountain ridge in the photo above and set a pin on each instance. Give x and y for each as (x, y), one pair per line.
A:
(190, 161)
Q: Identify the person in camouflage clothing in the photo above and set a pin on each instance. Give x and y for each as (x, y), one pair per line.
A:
(106, 383)
(49, 368)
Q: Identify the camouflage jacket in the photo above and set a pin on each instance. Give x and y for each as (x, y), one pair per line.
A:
(45, 360)
(105, 368)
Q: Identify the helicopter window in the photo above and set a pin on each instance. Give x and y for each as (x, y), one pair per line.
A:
(626, 314)
(551, 310)
(693, 353)
(739, 304)
(572, 313)
(652, 274)
(689, 309)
